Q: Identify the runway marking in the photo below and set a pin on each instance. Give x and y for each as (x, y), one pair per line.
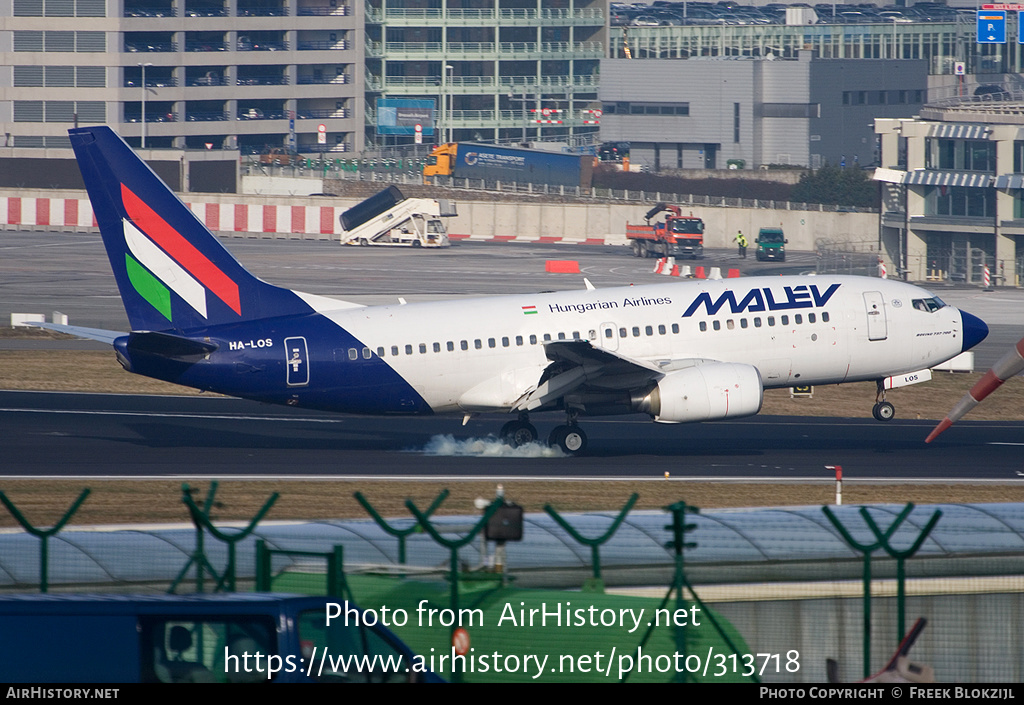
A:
(716, 479)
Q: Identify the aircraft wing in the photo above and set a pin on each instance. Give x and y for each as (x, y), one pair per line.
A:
(104, 336)
(577, 363)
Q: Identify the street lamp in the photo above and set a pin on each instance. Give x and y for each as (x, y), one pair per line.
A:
(448, 75)
(143, 67)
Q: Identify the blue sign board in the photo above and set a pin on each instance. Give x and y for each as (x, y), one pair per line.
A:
(991, 27)
(396, 116)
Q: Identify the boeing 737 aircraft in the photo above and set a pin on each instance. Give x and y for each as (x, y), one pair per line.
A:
(680, 352)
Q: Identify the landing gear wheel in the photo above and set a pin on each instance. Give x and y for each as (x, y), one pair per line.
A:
(518, 433)
(571, 439)
(883, 411)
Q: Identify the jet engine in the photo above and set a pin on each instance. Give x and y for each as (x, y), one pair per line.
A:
(713, 390)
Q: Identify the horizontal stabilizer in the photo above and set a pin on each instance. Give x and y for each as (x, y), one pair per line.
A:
(167, 345)
(104, 336)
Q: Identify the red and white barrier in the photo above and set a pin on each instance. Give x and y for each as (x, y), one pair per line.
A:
(881, 269)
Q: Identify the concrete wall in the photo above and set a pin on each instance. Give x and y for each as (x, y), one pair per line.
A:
(592, 223)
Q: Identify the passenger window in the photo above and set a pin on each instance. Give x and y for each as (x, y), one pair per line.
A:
(478, 344)
(490, 342)
(730, 324)
(607, 332)
(464, 344)
(798, 319)
(533, 340)
(771, 321)
(353, 354)
(703, 326)
(394, 350)
(380, 352)
(504, 342)
(661, 330)
(519, 340)
(811, 318)
(649, 330)
(824, 317)
(675, 327)
(423, 348)
(743, 323)
(575, 335)
(636, 331)
(437, 347)
(622, 332)
(592, 334)
(367, 354)
(757, 322)
(450, 345)
(785, 320)
(547, 337)
(717, 325)
(561, 336)
(408, 350)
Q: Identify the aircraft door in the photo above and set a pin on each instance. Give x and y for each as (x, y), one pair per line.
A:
(875, 308)
(296, 362)
(608, 335)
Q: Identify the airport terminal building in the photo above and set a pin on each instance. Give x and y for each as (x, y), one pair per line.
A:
(953, 192)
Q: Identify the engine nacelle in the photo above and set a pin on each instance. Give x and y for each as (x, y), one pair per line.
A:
(713, 390)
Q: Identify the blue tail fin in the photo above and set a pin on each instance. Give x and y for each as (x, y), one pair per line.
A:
(172, 272)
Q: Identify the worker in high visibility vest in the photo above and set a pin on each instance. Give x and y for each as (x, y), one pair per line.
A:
(741, 241)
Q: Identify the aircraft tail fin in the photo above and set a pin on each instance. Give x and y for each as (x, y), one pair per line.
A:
(172, 272)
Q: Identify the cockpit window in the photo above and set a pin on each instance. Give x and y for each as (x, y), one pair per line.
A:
(929, 305)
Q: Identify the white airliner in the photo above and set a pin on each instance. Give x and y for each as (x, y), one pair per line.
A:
(680, 352)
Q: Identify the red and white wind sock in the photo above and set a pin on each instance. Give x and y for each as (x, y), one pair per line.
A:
(1009, 364)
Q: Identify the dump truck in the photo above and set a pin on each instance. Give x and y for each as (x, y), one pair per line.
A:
(467, 160)
(388, 218)
(677, 236)
(771, 245)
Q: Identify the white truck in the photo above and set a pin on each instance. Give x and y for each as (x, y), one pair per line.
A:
(390, 219)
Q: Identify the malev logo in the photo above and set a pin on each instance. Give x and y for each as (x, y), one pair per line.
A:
(765, 299)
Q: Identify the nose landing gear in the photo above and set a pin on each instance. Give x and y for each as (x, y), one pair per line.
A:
(882, 410)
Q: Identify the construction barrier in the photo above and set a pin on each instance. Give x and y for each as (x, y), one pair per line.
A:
(562, 266)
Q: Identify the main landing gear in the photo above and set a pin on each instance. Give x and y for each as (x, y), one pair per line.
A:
(569, 437)
(883, 410)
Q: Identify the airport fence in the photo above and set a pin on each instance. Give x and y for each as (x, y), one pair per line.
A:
(768, 595)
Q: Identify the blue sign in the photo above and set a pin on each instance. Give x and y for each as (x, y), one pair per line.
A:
(397, 116)
(991, 27)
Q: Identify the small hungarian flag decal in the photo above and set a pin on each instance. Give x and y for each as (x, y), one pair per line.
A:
(527, 310)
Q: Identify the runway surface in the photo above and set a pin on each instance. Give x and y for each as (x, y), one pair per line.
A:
(64, 435)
